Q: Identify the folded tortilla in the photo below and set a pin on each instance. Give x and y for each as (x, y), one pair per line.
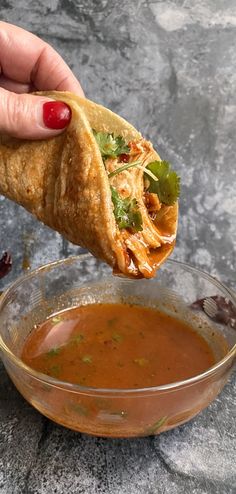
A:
(63, 182)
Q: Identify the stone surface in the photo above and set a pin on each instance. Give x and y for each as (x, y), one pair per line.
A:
(169, 68)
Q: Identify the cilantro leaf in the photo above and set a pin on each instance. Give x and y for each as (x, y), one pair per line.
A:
(87, 359)
(142, 362)
(126, 212)
(109, 145)
(168, 185)
(53, 352)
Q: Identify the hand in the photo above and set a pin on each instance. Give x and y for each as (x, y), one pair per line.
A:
(29, 64)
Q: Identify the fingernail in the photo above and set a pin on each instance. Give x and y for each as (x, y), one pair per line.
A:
(56, 114)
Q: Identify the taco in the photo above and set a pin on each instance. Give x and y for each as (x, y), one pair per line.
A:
(100, 184)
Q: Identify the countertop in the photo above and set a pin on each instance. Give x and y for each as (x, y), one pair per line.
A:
(169, 68)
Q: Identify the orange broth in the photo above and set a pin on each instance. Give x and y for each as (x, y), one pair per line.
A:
(117, 346)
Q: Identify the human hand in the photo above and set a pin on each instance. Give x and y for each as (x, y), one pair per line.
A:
(29, 64)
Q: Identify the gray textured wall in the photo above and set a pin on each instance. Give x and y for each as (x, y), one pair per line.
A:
(168, 67)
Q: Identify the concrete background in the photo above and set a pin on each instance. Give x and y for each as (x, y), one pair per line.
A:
(169, 68)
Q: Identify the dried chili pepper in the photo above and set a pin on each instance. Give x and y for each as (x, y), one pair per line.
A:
(222, 311)
(5, 264)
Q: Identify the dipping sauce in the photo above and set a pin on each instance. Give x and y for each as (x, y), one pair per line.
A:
(117, 346)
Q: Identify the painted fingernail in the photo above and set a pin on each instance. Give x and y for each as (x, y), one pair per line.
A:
(56, 115)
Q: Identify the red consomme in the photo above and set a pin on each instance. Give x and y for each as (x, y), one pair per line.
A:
(117, 346)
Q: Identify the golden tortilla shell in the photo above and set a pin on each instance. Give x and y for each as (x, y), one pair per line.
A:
(63, 181)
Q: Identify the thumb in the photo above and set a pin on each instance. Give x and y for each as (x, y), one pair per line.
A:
(32, 117)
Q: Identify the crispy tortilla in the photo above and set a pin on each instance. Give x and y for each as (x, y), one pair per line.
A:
(64, 183)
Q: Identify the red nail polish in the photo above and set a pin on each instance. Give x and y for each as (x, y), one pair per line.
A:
(56, 114)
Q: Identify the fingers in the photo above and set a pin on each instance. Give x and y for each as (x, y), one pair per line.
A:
(27, 63)
(15, 87)
(32, 117)
(27, 59)
(50, 72)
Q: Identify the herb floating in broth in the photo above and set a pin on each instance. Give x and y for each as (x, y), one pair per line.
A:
(80, 409)
(87, 359)
(56, 319)
(54, 371)
(53, 352)
(117, 337)
(77, 339)
(141, 362)
(153, 429)
(112, 322)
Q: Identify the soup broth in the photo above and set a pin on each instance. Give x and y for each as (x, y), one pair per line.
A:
(117, 346)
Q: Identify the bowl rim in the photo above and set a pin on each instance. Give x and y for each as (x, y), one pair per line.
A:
(76, 388)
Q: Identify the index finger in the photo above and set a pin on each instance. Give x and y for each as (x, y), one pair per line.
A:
(26, 58)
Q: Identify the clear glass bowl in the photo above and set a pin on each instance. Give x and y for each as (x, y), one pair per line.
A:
(113, 412)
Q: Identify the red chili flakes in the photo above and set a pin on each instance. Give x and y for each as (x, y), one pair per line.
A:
(124, 158)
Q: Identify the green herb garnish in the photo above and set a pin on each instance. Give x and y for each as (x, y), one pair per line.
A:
(153, 429)
(54, 371)
(112, 322)
(77, 339)
(87, 359)
(168, 185)
(56, 320)
(109, 145)
(75, 407)
(123, 168)
(80, 409)
(53, 352)
(141, 362)
(126, 212)
(134, 164)
(117, 337)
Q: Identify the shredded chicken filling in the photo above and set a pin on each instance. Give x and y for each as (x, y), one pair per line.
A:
(133, 183)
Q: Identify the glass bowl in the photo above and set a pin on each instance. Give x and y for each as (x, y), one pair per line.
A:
(114, 412)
